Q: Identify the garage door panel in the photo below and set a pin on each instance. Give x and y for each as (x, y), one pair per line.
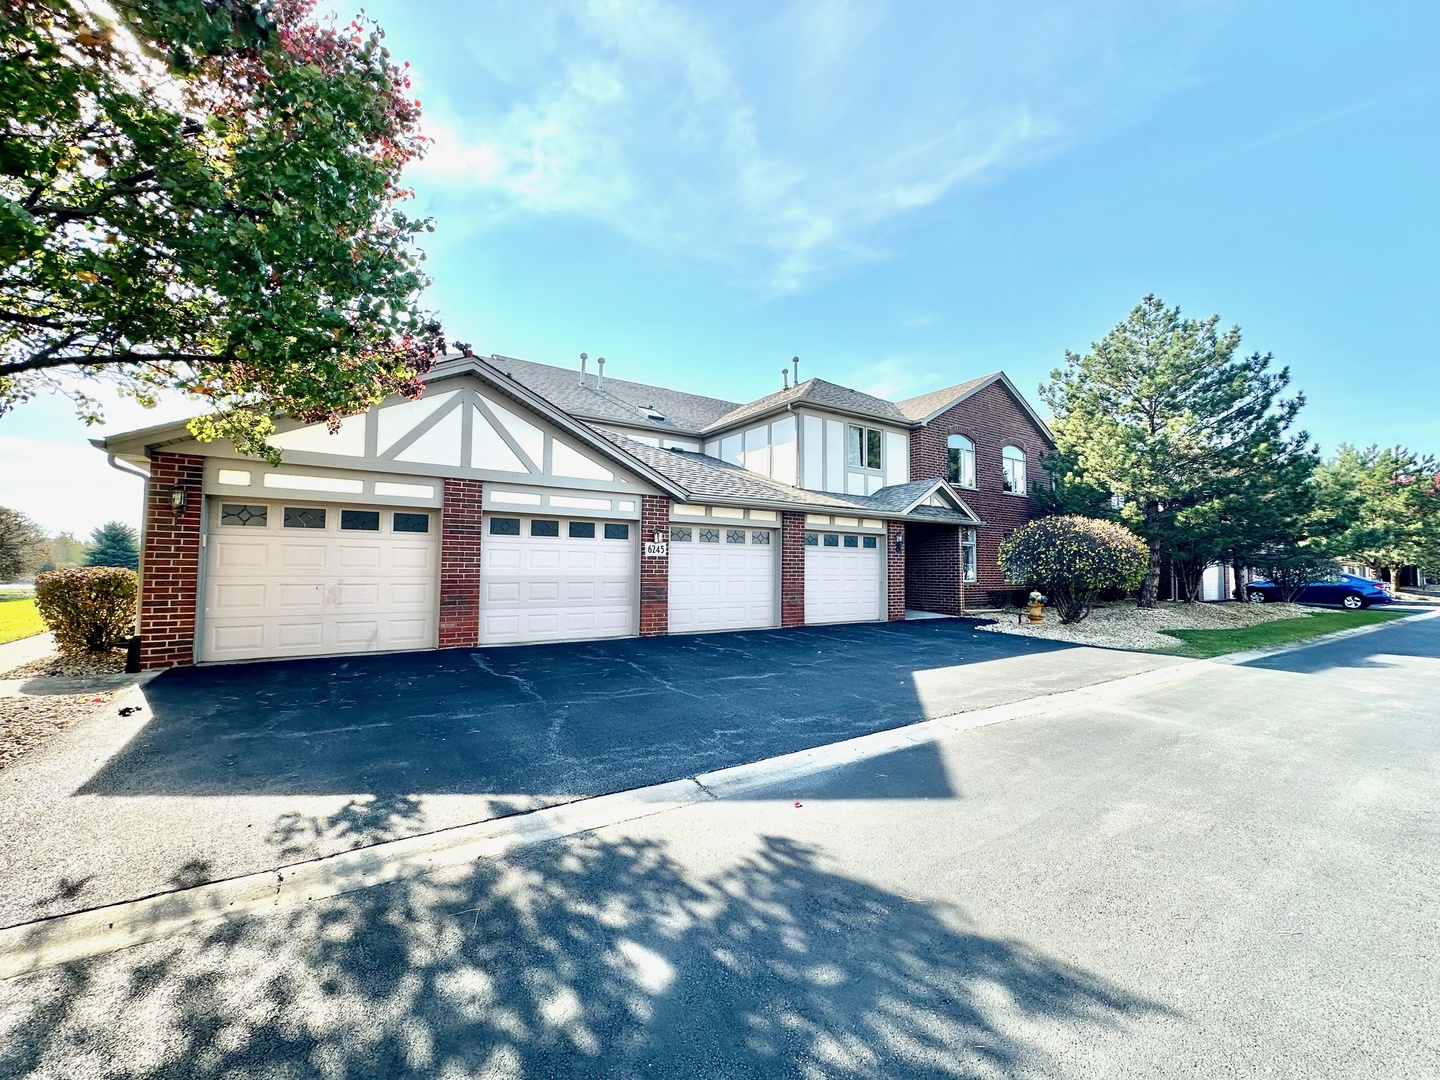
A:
(728, 586)
(842, 584)
(270, 592)
(555, 588)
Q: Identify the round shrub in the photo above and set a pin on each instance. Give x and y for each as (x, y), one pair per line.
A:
(89, 609)
(1073, 560)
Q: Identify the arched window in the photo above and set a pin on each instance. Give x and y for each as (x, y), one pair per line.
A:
(1012, 464)
(961, 454)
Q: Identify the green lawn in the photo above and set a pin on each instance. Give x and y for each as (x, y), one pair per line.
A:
(18, 618)
(1207, 643)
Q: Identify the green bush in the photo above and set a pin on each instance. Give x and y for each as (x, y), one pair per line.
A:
(89, 609)
(1073, 560)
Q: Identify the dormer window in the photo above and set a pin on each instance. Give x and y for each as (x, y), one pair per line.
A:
(863, 447)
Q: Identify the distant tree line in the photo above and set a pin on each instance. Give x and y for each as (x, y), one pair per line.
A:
(26, 549)
(1166, 427)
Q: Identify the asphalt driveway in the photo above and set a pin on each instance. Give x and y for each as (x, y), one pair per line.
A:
(230, 770)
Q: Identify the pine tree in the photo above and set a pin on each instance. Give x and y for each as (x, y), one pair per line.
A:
(1193, 441)
(20, 540)
(114, 544)
(1389, 503)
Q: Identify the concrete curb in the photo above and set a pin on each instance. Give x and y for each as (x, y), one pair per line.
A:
(30, 947)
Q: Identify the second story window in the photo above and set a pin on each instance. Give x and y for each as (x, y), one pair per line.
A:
(960, 453)
(863, 447)
(1012, 464)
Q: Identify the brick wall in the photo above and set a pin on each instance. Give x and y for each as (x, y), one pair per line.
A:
(991, 420)
(933, 568)
(460, 538)
(792, 569)
(895, 576)
(654, 569)
(170, 562)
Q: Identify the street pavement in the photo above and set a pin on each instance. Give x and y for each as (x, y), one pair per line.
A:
(238, 769)
(1231, 874)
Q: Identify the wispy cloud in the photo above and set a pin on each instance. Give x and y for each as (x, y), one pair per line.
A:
(779, 148)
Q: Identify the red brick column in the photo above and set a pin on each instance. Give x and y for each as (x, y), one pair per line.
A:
(460, 532)
(792, 569)
(654, 569)
(895, 578)
(170, 562)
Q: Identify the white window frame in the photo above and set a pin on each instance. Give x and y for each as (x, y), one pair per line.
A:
(965, 471)
(969, 560)
(1014, 480)
(865, 433)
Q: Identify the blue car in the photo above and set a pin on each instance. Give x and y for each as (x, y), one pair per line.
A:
(1346, 590)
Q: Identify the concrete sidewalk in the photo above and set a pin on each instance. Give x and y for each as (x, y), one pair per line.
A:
(233, 770)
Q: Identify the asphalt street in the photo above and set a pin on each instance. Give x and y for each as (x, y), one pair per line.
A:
(237, 769)
(1234, 874)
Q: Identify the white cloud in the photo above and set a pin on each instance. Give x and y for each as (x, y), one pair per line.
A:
(778, 148)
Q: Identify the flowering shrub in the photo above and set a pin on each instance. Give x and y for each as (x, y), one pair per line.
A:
(89, 609)
(1074, 559)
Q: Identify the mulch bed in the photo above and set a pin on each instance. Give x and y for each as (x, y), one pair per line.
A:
(29, 719)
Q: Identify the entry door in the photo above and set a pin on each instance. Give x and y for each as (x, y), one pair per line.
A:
(556, 579)
(721, 578)
(308, 579)
(842, 577)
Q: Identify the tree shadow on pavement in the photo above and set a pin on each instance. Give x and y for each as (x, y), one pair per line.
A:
(581, 957)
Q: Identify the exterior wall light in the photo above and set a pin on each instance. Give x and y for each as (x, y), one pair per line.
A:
(177, 500)
(899, 543)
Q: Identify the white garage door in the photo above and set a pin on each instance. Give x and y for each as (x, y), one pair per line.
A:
(551, 579)
(842, 577)
(721, 578)
(298, 579)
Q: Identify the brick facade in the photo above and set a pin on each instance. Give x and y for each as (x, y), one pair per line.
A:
(170, 562)
(933, 568)
(654, 569)
(792, 569)
(992, 420)
(460, 538)
(895, 554)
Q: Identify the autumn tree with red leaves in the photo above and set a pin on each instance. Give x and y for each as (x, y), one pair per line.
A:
(206, 196)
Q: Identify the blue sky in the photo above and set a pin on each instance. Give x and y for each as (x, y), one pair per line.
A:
(907, 195)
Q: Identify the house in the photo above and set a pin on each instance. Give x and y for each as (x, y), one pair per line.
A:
(520, 502)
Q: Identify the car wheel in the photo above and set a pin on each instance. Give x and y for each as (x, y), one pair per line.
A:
(1352, 601)
(1255, 596)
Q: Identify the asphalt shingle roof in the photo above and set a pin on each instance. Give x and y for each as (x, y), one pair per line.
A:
(816, 392)
(924, 406)
(621, 402)
(709, 479)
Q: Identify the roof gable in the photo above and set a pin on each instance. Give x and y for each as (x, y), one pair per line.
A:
(817, 392)
(925, 408)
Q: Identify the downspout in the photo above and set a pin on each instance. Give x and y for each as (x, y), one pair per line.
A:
(132, 647)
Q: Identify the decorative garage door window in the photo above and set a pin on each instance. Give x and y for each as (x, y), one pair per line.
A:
(411, 523)
(541, 527)
(582, 530)
(734, 536)
(709, 536)
(617, 531)
(360, 520)
(831, 540)
(812, 539)
(760, 538)
(870, 541)
(686, 534)
(241, 514)
(304, 517)
(503, 526)
(679, 535)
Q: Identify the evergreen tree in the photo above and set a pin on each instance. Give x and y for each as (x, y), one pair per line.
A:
(1388, 502)
(20, 540)
(114, 544)
(1193, 441)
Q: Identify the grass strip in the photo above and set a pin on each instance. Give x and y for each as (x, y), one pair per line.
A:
(19, 619)
(1203, 644)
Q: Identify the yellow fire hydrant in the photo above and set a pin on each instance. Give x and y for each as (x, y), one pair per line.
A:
(1037, 607)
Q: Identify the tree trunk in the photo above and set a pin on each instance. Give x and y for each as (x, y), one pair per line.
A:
(1151, 584)
(1239, 567)
(1395, 572)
